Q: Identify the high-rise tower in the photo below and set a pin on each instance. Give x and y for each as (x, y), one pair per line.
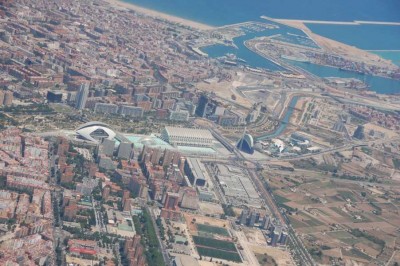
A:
(82, 96)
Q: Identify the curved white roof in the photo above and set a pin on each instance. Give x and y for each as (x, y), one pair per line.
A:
(87, 129)
(93, 123)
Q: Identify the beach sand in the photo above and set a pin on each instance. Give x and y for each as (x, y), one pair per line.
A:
(160, 15)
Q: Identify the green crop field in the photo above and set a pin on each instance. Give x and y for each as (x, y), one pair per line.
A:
(220, 254)
(213, 230)
(279, 199)
(214, 243)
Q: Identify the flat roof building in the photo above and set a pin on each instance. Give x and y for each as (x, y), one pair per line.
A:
(179, 136)
(107, 147)
(106, 108)
(195, 172)
(54, 96)
(125, 150)
(131, 111)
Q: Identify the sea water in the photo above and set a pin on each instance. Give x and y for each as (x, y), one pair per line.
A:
(224, 12)
(372, 37)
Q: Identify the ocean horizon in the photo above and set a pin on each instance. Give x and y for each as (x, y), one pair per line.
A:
(225, 12)
(365, 36)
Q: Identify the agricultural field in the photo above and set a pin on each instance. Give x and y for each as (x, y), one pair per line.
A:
(211, 237)
(340, 218)
(216, 248)
(214, 243)
(220, 254)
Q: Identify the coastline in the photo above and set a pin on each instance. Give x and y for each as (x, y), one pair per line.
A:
(160, 15)
(333, 45)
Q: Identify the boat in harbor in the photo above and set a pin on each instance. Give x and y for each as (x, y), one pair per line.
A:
(229, 62)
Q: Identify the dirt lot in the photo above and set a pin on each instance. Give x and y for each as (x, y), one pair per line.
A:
(282, 257)
(210, 208)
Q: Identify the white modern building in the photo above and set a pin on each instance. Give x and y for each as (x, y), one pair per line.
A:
(95, 132)
(179, 136)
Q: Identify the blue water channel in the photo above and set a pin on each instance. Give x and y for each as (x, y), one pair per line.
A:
(377, 84)
(283, 124)
(252, 59)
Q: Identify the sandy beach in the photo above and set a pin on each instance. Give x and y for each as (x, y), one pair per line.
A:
(160, 15)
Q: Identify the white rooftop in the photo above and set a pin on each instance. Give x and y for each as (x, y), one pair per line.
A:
(189, 132)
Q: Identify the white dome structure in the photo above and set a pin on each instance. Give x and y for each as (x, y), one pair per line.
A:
(95, 131)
